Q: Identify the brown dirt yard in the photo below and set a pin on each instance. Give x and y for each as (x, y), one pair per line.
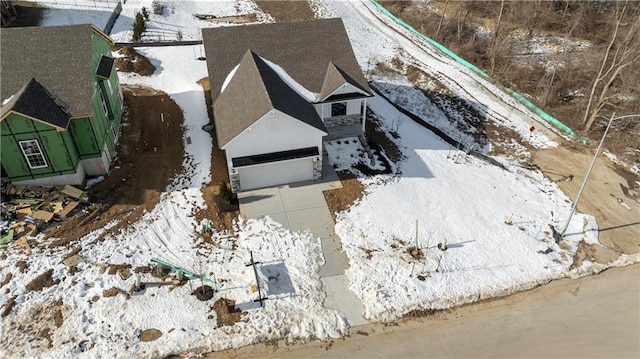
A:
(609, 196)
(150, 155)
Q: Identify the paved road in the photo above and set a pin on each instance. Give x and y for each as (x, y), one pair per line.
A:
(597, 316)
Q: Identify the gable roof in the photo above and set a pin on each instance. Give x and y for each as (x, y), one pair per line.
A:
(58, 57)
(33, 100)
(334, 78)
(253, 90)
(303, 49)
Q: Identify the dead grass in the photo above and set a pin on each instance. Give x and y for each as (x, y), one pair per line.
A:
(287, 11)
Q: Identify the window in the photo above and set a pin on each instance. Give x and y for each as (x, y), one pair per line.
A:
(338, 109)
(120, 97)
(114, 133)
(110, 86)
(33, 154)
(104, 103)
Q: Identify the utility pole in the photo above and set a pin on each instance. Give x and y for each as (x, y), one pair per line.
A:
(586, 177)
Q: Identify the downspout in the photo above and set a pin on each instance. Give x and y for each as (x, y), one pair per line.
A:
(364, 114)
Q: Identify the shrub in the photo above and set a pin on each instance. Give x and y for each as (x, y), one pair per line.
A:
(145, 13)
(139, 27)
(225, 192)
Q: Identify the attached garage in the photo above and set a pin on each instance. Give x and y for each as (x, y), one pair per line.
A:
(276, 173)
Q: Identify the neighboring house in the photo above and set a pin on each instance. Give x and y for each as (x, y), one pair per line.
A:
(8, 12)
(61, 104)
(278, 91)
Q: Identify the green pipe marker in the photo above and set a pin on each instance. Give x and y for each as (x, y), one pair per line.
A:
(184, 271)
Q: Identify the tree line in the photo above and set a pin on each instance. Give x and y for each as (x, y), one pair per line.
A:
(592, 67)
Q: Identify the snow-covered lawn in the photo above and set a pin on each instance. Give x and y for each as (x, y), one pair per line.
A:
(455, 199)
(464, 202)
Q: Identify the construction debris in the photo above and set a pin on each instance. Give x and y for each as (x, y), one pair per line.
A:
(28, 210)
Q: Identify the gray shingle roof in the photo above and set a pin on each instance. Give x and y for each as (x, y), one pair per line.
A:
(59, 57)
(334, 78)
(254, 90)
(303, 49)
(35, 101)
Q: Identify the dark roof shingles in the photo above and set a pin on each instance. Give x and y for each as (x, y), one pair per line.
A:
(59, 57)
(303, 49)
(255, 89)
(35, 101)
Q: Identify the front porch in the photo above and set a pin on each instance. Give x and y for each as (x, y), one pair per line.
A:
(343, 126)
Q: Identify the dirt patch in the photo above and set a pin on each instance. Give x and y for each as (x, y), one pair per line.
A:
(287, 11)
(6, 279)
(618, 221)
(114, 268)
(42, 281)
(203, 293)
(225, 313)
(131, 61)
(415, 252)
(150, 335)
(150, 142)
(112, 292)
(237, 19)
(58, 318)
(341, 199)
(22, 266)
(374, 134)
(34, 327)
(222, 214)
(8, 305)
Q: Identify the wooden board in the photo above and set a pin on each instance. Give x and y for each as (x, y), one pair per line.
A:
(73, 192)
(57, 207)
(43, 215)
(25, 211)
(68, 208)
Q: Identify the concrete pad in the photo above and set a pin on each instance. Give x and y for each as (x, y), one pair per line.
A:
(280, 218)
(340, 298)
(294, 198)
(258, 203)
(318, 220)
(335, 261)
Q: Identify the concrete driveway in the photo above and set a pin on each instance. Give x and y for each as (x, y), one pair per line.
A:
(301, 206)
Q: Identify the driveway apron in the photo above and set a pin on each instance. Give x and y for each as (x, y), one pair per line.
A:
(301, 206)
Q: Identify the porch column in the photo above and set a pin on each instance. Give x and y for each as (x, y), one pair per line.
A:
(364, 113)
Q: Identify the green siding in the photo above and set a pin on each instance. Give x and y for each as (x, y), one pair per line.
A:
(58, 149)
(85, 139)
(100, 122)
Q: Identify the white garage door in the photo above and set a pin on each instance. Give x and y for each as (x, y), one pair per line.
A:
(276, 173)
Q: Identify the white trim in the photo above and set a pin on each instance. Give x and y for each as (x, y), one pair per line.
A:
(110, 86)
(39, 153)
(340, 87)
(103, 100)
(114, 133)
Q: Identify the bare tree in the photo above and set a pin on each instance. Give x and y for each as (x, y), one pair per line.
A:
(444, 12)
(495, 37)
(571, 28)
(619, 54)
